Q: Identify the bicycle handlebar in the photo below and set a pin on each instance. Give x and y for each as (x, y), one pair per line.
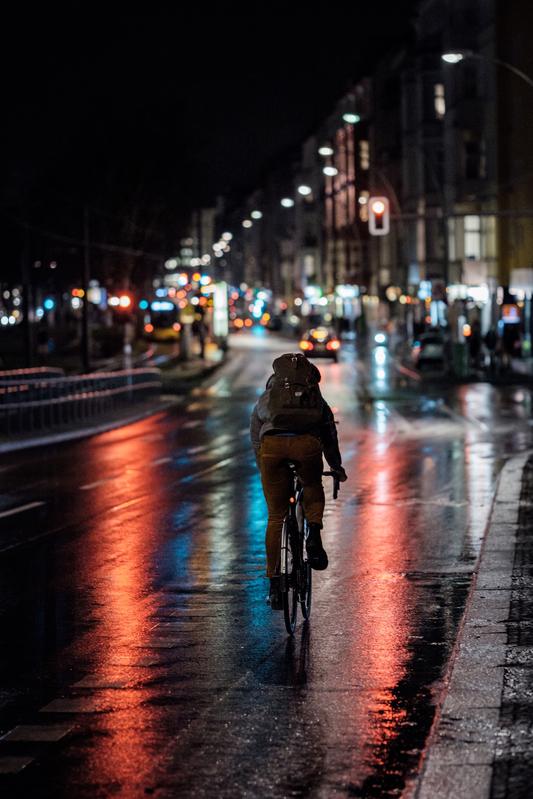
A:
(336, 483)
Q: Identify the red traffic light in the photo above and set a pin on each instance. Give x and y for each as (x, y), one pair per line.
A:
(378, 216)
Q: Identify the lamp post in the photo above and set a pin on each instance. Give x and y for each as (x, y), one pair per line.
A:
(456, 56)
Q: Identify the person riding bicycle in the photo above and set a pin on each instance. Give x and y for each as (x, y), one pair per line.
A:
(293, 424)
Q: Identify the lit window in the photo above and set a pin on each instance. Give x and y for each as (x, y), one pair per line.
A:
(363, 205)
(364, 154)
(472, 228)
(439, 100)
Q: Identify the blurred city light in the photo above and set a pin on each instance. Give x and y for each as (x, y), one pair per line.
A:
(305, 190)
(351, 119)
(330, 171)
(287, 202)
(256, 215)
(453, 58)
(326, 150)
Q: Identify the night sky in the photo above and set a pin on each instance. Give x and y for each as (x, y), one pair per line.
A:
(153, 112)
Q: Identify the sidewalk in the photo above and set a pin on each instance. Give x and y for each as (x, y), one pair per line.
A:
(482, 738)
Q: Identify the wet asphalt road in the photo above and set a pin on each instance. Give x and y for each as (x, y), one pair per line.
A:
(138, 654)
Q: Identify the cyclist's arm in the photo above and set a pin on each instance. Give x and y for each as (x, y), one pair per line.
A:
(255, 429)
(329, 438)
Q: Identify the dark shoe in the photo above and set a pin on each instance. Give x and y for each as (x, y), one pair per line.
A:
(316, 554)
(275, 599)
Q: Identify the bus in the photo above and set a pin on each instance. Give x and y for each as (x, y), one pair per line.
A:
(162, 321)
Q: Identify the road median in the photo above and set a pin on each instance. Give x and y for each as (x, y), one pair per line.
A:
(176, 381)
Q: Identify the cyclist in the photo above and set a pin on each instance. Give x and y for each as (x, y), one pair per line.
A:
(292, 423)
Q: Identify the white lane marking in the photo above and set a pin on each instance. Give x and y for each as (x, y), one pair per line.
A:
(213, 468)
(12, 764)
(159, 461)
(196, 450)
(128, 503)
(88, 486)
(20, 509)
(464, 418)
(36, 733)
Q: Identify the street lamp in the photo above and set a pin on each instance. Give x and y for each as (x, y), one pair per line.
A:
(304, 190)
(456, 56)
(287, 202)
(325, 150)
(351, 119)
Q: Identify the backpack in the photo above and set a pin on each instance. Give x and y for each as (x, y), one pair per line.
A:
(294, 400)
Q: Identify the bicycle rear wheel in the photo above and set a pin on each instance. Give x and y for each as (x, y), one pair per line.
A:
(306, 582)
(289, 585)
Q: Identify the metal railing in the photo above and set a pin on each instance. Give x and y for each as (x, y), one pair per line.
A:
(35, 404)
(33, 373)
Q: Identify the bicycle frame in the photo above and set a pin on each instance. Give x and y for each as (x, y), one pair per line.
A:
(295, 572)
(296, 521)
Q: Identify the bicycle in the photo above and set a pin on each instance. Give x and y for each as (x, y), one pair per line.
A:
(296, 582)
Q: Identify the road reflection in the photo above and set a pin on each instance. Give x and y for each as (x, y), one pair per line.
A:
(117, 555)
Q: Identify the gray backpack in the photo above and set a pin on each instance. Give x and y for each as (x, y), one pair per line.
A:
(294, 400)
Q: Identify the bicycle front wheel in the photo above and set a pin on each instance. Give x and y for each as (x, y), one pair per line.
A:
(306, 590)
(289, 578)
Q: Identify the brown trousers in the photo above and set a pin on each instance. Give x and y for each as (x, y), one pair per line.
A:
(305, 451)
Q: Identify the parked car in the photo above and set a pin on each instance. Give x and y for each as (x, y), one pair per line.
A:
(429, 352)
(319, 342)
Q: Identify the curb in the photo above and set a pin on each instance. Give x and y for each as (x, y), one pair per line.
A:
(86, 432)
(459, 755)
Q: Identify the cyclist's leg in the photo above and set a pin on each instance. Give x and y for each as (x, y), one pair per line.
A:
(276, 478)
(307, 455)
(308, 461)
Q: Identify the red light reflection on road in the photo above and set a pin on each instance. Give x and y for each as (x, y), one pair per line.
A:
(118, 553)
(381, 544)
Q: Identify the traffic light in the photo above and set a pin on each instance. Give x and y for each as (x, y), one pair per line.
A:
(378, 216)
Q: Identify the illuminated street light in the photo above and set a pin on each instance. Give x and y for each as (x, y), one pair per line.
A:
(330, 171)
(351, 119)
(304, 190)
(247, 223)
(326, 150)
(456, 56)
(171, 263)
(452, 58)
(227, 236)
(287, 202)
(256, 215)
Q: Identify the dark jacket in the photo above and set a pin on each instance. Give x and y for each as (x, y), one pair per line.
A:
(326, 431)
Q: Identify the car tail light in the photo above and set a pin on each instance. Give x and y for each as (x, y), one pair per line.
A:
(333, 345)
(306, 345)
